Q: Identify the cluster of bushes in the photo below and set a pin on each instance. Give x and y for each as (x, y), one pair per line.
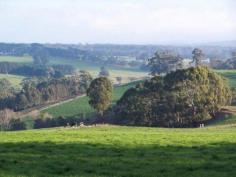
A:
(60, 121)
(10, 120)
(35, 70)
(41, 51)
(35, 93)
(183, 98)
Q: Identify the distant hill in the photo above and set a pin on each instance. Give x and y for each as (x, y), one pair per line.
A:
(223, 43)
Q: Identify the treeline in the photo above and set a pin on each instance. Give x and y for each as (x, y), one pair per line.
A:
(35, 48)
(35, 93)
(36, 70)
(107, 51)
(14, 124)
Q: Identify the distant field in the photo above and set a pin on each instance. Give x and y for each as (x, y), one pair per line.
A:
(230, 75)
(14, 79)
(126, 73)
(24, 59)
(81, 105)
(105, 151)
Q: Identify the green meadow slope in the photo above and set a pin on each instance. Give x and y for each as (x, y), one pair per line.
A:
(81, 105)
(116, 151)
(230, 75)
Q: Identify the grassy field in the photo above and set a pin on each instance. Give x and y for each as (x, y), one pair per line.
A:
(14, 79)
(24, 59)
(119, 152)
(94, 69)
(230, 75)
(126, 73)
(81, 105)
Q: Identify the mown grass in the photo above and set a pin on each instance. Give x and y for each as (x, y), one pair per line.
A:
(119, 152)
(81, 106)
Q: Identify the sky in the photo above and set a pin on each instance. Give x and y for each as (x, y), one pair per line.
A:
(117, 21)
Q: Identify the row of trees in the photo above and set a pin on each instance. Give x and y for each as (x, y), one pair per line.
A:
(165, 62)
(40, 91)
(38, 71)
(229, 63)
(33, 94)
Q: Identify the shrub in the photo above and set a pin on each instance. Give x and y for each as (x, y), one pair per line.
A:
(180, 99)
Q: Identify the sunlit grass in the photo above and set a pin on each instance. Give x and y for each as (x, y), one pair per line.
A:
(81, 106)
(119, 151)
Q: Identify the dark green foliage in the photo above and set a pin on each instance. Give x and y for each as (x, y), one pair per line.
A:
(182, 98)
(7, 67)
(197, 56)
(6, 89)
(64, 69)
(60, 121)
(39, 71)
(100, 94)
(233, 91)
(17, 124)
(163, 62)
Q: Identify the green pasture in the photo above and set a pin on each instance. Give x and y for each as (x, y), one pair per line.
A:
(81, 106)
(230, 75)
(115, 151)
(23, 59)
(127, 74)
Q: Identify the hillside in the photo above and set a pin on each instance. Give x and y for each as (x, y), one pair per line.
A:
(81, 105)
(119, 151)
(230, 75)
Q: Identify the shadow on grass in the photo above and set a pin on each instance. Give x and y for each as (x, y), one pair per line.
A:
(49, 159)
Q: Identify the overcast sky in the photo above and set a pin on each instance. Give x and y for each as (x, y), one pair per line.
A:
(117, 21)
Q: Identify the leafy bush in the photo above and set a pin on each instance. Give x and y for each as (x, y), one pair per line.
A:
(180, 99)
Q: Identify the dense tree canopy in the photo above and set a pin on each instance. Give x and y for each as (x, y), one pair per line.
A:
(39, 70)
(6, 88)
(197, 56)
(163, 62)
(100, 94)
(180, 99)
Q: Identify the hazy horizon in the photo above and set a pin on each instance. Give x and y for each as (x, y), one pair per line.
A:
(118, 22)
